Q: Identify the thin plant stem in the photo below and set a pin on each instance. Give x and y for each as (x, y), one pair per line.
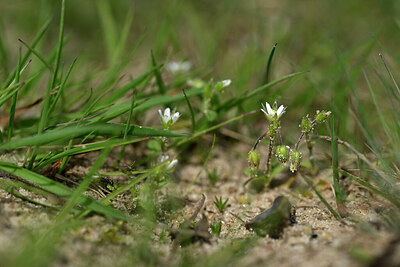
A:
(335, 163)
(259, 139)
(270, 147)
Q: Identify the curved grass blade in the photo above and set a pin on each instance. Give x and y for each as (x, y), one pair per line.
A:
(104, 129)
(268, 69)
(62, 190)
(118, 110)
(35, 41)
(14, 100)
(74, 198)
(36, 53)
(157, 74)
(238, 100)
(212, 128)
(191, 111)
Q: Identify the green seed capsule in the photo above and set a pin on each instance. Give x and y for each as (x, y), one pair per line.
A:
(254, 159)
(306, 124)
(294, 160)
(282, 153)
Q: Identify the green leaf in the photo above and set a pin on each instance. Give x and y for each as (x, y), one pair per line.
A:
(102, 129)
(61, 190)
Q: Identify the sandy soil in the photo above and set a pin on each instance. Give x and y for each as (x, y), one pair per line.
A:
(316, 239)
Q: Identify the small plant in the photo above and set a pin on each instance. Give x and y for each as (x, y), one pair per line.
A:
(216, 228)
(213, 176)
(220, 204)
(284, 154)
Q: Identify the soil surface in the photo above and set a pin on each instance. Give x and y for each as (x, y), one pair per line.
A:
(316, 238)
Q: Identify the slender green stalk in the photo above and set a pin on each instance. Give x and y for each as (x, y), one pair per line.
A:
(191, 112)
(35, 41)
(323, 200)
(73, 200)
(14, 100)
(61, 89)
(203, 167)
(128, 123)
(335, 162)
(157, 74)
(46, 105)
(30, 48)
(270, 152)
(268, 69)
(212, 128)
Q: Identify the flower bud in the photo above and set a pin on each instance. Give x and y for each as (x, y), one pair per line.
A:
(294, 160)
(306, 124)
(254, 159)
(282, 153)
(322, 116)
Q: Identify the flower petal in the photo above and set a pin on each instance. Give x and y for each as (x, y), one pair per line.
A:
(167, 113)
(226, 83)
(175, 117)
(281, 110)
(172, 164)
(264, 112)
(269, 109)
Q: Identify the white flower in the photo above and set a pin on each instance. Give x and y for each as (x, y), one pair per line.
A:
(172, 164)
(166, 118)
(219, 86)
(271, 112)
(164, 158)
(177, 67)
(226, 83)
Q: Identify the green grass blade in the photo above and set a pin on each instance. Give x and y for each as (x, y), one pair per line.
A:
(61, 190)
(12, 188)
(31, 49)
(14, 100)
(100, 129)
(120, 47)
(378, 109)
(128, 123)
(240, 99)
(191, 112)
(268, 69)
(122, 91)
(3, 52)
(118, 110)
(372, 188)
(59, 46)
(61, 89)
(73, 200)
(157, 74)
(108, 26)
(87, 148)
(45, 110)
(212, 128)
(323, 200)
(390, 73)
(335, 163)
(35, 41)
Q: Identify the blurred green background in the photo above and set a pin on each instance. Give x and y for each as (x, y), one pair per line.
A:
(224, 39)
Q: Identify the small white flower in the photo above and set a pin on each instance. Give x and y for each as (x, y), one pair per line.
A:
(164, 158)
(271, 112)
(172, 164)
(177, 67)
(166, 118)
(226, 83)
